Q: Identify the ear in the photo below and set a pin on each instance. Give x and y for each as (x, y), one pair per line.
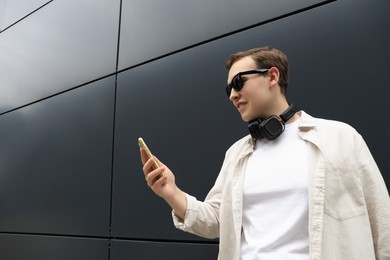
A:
(273, 74)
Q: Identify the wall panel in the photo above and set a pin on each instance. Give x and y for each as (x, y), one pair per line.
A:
(55, 163)
(179, 106)
(14, 10)
(177, 24)
(65, 44)
(159, 250)
(21, 247)
(2, 11)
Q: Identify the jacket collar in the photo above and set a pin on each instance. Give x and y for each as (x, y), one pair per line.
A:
(307, 128)
(307, 122)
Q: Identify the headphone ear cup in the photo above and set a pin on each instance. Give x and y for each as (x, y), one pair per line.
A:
(254, 128)
(269, 128)
(272, 127)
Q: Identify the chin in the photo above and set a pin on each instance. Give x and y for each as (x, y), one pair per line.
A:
(246, 118)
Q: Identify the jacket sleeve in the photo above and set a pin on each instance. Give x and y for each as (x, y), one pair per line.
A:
(377, 201)
(201, 219)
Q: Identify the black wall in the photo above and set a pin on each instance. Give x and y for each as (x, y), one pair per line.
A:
(80, 81)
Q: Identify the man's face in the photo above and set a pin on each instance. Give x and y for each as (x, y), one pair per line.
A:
(254, 99)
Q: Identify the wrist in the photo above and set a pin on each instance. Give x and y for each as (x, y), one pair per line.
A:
(178, 202)
(175, 196)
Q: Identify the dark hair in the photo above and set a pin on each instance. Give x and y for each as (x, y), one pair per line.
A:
(265, 58)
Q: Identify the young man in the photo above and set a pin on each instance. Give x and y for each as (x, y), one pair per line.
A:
(297, 187)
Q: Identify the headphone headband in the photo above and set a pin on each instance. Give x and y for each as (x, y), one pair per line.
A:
(287, 114)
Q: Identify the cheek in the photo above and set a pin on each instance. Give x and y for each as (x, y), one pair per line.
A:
(260, 100)
(258, 96)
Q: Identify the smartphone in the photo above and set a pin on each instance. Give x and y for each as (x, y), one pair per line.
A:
(143, 145)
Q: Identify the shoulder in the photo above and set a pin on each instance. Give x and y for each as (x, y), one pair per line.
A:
(332, 135)
(326, 126)
(241, 146)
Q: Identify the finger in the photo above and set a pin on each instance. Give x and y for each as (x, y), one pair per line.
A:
(154, 176)
(148, 166)
(144, 156)
(159, 181)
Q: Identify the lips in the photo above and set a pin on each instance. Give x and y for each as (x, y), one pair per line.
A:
(240, 105)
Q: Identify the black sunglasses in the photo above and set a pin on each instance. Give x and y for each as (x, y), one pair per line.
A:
(237, 84)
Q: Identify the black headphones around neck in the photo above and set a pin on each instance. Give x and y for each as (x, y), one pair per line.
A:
(271, 127)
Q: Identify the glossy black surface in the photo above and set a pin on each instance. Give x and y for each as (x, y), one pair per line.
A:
(159, 250)
(21, 247)
(64, 44)
(56, 154)
(177, 24)
(14, 10)
(55, 163)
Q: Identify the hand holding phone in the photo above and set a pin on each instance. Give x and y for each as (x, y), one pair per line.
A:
(143, 145)
(166, 189)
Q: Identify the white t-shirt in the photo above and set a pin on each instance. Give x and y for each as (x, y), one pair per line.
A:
(275, 202)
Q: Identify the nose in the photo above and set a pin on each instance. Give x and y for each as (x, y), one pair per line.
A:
(233, 95)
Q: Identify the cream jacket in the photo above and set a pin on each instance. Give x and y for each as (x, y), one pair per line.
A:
(349, 211)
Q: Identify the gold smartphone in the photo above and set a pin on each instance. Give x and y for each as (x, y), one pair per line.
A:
(143, 145)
